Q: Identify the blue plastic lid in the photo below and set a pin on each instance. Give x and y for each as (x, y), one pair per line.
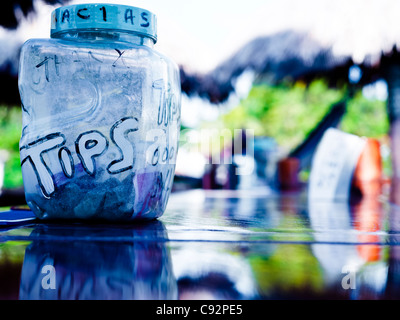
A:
(99, 16)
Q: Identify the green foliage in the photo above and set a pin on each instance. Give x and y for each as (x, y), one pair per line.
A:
(289, 113)
(289, 268)
(366, 117)
(10, 133)
(13, 251)
(12, 171)
(285, 112)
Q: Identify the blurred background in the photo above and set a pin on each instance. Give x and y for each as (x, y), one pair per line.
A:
(268, 76)
(262, 81)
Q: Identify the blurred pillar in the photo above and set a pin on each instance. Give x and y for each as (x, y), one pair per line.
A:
(209, 177)
(395, 153)
(391, 67)
(392, 76)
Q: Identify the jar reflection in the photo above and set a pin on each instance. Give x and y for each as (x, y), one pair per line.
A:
(117, 262)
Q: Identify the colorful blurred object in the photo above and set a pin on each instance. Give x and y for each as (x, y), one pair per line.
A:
(368, 220)
(288, 173)
(367, 177)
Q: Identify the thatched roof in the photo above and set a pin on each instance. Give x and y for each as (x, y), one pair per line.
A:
(284, 55)
(287, 55)
(10, 14)
(10, 10)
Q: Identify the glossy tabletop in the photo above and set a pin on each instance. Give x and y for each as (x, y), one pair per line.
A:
(253, 244)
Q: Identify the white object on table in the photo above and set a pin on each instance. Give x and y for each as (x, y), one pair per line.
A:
(333, 165)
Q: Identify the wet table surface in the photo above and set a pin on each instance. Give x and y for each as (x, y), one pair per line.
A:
(212, 245)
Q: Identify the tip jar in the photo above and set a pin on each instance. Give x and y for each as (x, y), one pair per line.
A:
(100, 116)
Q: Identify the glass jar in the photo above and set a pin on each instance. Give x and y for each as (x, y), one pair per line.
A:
(101, 116)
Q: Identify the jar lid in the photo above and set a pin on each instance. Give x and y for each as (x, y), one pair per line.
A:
(98, 16)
